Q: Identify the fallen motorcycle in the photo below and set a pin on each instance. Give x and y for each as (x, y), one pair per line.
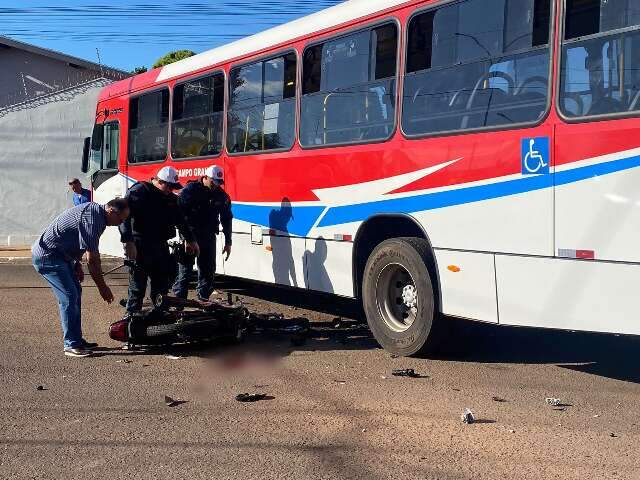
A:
(174, 320)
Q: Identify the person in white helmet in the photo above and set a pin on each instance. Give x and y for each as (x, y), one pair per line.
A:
(205, 206)
(154, 217)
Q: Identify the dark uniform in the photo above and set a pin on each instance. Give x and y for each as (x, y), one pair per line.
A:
(204, 210)
(153, 221)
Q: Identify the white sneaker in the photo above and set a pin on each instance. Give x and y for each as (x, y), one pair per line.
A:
(77, 352)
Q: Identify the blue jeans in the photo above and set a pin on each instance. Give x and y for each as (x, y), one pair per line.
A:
(206, 269)
(62, 278)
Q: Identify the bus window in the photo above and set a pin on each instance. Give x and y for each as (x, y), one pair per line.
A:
(105, 147)
(600, 71)
(349, 88)
(196, 121)
(475, 64)
(148, 127)
(262, 105)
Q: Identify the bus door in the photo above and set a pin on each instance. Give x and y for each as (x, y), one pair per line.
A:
(106, 184)
(598, 144)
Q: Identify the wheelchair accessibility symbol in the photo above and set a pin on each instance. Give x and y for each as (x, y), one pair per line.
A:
(535, 156)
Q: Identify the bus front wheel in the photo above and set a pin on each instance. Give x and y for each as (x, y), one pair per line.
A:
(398, 296)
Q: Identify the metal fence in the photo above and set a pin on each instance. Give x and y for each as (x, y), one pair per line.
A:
(31, 92)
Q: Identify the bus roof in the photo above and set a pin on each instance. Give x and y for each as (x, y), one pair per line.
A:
(317, 22)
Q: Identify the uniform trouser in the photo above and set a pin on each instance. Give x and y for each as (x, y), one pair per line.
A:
(206, 268)
(61, 276)
(153, 263)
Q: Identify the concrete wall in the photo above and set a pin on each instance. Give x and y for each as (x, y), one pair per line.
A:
(40, 151)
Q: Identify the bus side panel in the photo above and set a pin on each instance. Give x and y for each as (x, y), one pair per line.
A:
(568, 294)
(601, 213)
(328, 267)
(114, 187)
(467, 284)
(279, 259)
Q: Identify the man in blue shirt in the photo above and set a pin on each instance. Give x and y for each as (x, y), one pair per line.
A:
(56, 256)
(80, 195)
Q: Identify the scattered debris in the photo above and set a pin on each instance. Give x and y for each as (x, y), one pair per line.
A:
(124, 360)
(393, 355)
(364, 430)
(554, 402)
(170, 402)
(261, 386)
(383, 377)
(40, 388)
(596, 416)
(512, 431)
(498, 399)
(456, 389)
(250, 397)
(467, 417)
(559, 409)
(613, 435)
(405, 372)
(174, 357)
(341, 382)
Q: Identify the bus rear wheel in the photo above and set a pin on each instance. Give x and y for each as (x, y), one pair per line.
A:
(398, 296)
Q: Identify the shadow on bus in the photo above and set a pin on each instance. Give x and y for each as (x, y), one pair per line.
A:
(607, 355)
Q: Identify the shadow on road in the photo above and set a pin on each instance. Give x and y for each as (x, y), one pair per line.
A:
(607, 355)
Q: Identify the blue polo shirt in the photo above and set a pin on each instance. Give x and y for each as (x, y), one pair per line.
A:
(83, 197)
(72, 233)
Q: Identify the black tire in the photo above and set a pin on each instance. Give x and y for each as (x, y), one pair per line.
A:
(195, 329)
(398, 296)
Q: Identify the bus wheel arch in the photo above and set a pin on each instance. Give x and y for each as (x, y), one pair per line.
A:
(390, 250)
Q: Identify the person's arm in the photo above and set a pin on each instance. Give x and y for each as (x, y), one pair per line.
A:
(95, 269)
(126, 229)
(226, 217)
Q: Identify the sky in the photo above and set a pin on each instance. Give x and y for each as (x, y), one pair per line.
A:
(133, 33)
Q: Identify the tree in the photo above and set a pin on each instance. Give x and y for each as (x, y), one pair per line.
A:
(172, 57)
(138, 70)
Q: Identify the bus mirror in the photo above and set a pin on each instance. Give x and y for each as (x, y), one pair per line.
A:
(85, 155)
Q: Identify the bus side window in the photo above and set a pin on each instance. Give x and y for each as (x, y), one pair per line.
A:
(149, 127)
(349, 88)
(196, 124)
(262, 105)
(600, 74)
(476, 64)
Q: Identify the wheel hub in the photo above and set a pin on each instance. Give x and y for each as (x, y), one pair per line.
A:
(409, 296)
(397, 297)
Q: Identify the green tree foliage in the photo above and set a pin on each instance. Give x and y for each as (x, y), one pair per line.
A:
(138, 70)
(172, 57)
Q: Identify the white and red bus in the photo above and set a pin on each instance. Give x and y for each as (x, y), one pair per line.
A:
(472, 158)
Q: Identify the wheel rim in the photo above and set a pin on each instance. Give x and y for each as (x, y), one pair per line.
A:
(396, 297)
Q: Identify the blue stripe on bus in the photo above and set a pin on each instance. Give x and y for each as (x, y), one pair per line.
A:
(461, 196)
(297, 220)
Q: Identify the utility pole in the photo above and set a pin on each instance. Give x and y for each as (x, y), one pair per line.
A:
(99, 62)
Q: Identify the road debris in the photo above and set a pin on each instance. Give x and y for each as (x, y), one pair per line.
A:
(613, 435)
(124, 360)
(173, 357)
(512, 430)
(596, 416)
(393, 355)
(40, 388)
(340, 382)
(250, 397)
(554, 402)
(559, 409)
(405, 372)
(498, 399)
(170, 402)
(467, 417)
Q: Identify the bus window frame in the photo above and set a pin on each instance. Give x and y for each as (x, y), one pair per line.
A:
(388, 20)
(141, 94)
(558, 81)
(224, 114)
(499, 128)
(102, 125)
(244, 63)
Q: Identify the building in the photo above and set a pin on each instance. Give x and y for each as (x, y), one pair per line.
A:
(29, 71)
(47, 107)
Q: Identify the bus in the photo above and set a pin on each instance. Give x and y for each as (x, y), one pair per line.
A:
(432, 159)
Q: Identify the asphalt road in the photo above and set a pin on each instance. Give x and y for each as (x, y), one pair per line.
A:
(336, 411)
